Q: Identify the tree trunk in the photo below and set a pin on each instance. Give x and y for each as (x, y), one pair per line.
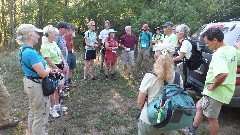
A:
(12, 27)
(3, 24)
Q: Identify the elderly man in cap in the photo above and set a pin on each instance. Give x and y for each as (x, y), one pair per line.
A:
(144, 47)
(170, 37)
(5, 121)
(71, 59)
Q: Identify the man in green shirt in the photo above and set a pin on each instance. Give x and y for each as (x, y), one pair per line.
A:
(220, 81)
(170, 37)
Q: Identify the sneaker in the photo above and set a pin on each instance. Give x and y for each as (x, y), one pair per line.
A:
(71, 84)
(64, 94)
(64, 108)
(54, 113)
(10, 123)
(186, 131)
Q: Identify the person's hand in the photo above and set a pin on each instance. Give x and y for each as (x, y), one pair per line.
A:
(64, 71)
(54, 71)
(211, 87)
(237, 45)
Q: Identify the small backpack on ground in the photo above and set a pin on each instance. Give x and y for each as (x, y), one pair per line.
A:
(174, 109)
(195, 61)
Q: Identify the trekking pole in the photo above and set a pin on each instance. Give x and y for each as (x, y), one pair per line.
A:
(61, 117)
(185, 73)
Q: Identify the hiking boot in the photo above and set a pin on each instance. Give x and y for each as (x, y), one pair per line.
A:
(186, 131)
(71, 84)
(8, 124)
(64, 94)
(113, 77)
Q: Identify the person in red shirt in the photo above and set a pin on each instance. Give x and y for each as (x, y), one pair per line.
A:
(128, 43)
(111, 46)
(71, 59)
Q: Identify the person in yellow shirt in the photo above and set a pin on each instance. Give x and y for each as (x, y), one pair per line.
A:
(220, 80)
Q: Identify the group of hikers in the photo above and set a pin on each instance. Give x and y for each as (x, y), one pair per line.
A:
(57, 56)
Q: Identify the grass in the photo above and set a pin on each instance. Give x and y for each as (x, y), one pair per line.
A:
(95, 108)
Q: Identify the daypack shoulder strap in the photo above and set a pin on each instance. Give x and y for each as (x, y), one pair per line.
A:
(21, 52)
(177, 78)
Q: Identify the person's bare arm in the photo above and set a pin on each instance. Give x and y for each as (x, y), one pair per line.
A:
(218, 81)
(141, 99)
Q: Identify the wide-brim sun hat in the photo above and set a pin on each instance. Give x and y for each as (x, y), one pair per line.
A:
(112, 31)
(164, 47)
(24, 29)
(63, 25)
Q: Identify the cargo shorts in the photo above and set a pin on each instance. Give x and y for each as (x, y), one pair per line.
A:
(211, 107)
(128, 57)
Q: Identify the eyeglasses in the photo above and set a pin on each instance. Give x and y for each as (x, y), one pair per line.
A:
(92, 25)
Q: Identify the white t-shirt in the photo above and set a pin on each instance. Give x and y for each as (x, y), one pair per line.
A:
(153, 87)
(186, 48)
(103, 35)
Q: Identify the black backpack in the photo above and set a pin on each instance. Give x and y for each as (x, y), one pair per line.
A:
(84, 44)
(195, 61)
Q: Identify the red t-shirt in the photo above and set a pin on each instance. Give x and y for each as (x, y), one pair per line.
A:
(69, 42)
(129, 41)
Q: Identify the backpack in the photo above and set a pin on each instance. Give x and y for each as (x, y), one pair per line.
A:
(195, 61)
(177, 108)
(147, 34)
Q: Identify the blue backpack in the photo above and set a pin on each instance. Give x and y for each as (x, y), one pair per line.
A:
(174, 109)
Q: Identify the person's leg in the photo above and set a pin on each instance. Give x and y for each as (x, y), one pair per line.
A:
(199, 114)
(131, 62)
(124, 62)
(92, 68)
(212, 111)
(86, 66)
(213, 126)
(56, 95)
(112, 69)
(52, 100)
(106, 70)
(139, 60)
(4, 103)
(72, 66)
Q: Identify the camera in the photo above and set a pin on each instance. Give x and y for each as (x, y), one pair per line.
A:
(58, 76)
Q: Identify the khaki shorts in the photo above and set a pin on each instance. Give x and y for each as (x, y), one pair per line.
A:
(128, 58)
(211, 107)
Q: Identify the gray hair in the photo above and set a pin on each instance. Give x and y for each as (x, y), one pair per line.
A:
(183, 28)
(128, 27)
(49, 29)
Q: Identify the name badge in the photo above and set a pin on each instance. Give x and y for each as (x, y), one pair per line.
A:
(144, 45)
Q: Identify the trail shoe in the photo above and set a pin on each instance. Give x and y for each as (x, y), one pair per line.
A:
(187, 131)
(54, 113)
(71, 84)
(64, 108)
(10, 123)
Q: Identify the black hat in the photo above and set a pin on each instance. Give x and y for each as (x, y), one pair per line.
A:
(158, 28)
(168, 24)
(62, 25)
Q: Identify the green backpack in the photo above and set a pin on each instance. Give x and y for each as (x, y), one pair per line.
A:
(177, 108)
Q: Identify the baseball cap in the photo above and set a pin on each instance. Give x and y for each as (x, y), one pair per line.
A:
(158, 28)
(145, 27)
(168, 24)
(62, 25)
(72, 27)
(107, 22)
(24, 29)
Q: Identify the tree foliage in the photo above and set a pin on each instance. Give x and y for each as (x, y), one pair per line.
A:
(121, 13)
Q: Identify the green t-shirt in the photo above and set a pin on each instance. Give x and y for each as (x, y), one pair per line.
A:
(224, 60)
(171, 40)
(92, 37)
(157, 37)
(53, 51)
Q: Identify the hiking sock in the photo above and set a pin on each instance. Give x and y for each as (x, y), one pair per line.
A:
(193, 129)
(69, 80)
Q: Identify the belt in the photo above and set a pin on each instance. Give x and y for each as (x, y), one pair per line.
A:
(34, 79)
(70, 52)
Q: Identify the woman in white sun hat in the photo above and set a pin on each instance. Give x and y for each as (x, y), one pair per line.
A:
(111, 46)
